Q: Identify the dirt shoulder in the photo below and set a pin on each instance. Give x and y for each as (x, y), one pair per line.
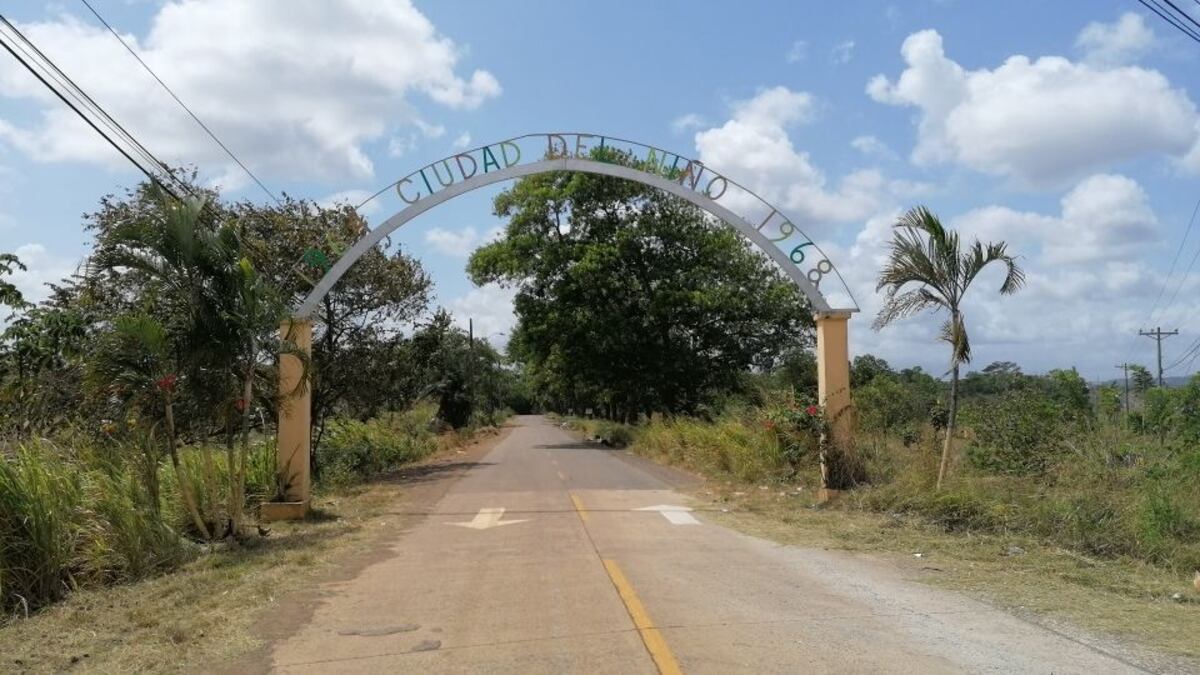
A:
(1146, 614)
(222, 611)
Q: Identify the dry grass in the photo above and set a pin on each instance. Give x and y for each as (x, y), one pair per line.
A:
(1122, 597)
(203, 615)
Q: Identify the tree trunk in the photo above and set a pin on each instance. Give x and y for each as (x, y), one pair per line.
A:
(185, 488)
(950, 417)
(239, 496)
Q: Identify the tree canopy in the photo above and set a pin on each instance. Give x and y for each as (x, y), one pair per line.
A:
(632, 300)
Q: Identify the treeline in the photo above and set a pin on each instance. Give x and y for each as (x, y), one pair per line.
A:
(138, 400)
(631, 301)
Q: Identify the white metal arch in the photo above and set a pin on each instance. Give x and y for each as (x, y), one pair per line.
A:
(565, 163)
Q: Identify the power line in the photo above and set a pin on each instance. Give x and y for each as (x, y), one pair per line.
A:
(180, 102)
(1174, 261)
(45, 70)
(1166, 15)
(1170, 272)
(1158, 334)
(1187, 17)
(1192, 351)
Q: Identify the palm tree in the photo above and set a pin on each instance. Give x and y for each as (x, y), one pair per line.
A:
(927, 269)
(134, 363)
(216, 309)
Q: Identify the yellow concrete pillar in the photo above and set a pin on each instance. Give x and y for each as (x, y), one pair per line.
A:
(833, 380)
(295, 425)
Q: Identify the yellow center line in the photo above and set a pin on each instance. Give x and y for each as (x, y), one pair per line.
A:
(652, 637)
(579, 507)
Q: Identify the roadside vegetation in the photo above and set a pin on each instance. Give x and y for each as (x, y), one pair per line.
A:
(138, 400)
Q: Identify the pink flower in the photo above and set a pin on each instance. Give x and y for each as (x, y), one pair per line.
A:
(811, 410)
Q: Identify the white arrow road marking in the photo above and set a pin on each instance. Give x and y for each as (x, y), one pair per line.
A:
(678, 515)
(488, 518)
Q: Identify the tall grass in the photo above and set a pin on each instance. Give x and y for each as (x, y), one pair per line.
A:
(84, 514)
(40, 526)
(1105, 491)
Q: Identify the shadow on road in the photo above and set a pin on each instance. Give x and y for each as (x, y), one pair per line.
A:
(581, 445)
(429, 472)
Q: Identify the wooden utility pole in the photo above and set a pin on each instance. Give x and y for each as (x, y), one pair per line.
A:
(1125, 367)
(1158, 334)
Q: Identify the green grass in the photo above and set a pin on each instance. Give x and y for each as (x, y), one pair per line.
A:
(1108, 537)
(79, 514)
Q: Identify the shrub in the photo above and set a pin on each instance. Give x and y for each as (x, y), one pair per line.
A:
(1016, 432)
(355, 451)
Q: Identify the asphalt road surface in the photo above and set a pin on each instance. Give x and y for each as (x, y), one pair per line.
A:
(555, 556)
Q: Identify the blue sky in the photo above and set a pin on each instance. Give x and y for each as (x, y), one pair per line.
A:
(1069, 129)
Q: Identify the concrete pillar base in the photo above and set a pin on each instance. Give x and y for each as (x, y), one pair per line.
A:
(295, 424)
(826, 495)
(272, 511)
(833, 383)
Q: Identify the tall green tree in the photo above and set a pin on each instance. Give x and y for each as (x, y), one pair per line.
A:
(358, 359)
(1142, 379)
(631, 300)
(213, 308)
(928, 268)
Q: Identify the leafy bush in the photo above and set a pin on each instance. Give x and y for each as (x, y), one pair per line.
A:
(1016, 432)
(355, 451)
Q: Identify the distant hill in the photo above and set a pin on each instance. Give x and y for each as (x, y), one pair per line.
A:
(1170, 382)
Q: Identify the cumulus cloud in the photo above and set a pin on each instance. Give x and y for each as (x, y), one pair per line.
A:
(296, 91)
(1123, 41)
(685, 123)
(1083, 267)
(460, 243)
(1104, 217)
(490, 307)
(1043, 122)
(872, 147)
(353, 198)
(42, 268)
(754, 148)
(461, 141)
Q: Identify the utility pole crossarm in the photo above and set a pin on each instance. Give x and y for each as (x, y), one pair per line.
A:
(1125, 367)
(1158, 334)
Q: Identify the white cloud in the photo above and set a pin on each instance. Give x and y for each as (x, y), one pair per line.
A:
(1104, 217)
(460, 243)
(297, 93)
(797, 52)
(43, 268)
(754, 148)
(461, 141)
(353, 198)
(1123, 41)
(490, 307)
(1087, 289)
(1043, 122)
(685, 123)
(872, 147)
(842, 53)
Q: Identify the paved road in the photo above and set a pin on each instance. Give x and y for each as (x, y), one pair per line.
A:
(582, 580)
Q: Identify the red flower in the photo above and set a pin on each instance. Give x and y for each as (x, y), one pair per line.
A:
(812, 410)
(769, 424)
(166, 382)
(240, 404)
